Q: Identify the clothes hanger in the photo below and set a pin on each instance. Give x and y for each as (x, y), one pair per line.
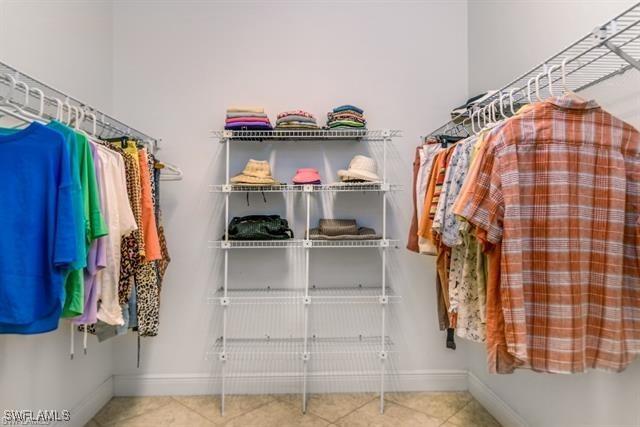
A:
(550, 79)
(173, 173)
(537, 86)
(6, 105)
(22, 108)
(529, 89)
(473, 122)
(567, 91)
(511, 92)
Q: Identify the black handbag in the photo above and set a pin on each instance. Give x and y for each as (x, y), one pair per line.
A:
(259, 227)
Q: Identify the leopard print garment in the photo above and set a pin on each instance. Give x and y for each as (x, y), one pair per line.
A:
(147, 279)
(147, 300)
(132, 245)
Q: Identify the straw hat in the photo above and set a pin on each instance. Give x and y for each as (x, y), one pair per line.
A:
(342, 229)
(360, 167)
(256, 172)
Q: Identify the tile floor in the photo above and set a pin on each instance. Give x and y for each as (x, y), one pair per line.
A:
(450, 409)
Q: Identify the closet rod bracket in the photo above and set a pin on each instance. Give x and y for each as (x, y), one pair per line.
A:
(622, 54)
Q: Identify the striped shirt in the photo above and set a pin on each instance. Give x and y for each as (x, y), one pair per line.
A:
(559, 188)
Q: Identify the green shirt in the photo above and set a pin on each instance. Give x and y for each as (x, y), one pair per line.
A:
(94, 225)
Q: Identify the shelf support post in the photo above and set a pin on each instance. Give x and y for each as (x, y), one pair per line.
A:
(306, 301)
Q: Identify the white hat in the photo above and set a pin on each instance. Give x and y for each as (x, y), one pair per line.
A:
(360, 167)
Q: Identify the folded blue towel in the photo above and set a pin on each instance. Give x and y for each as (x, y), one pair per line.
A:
(348, 107)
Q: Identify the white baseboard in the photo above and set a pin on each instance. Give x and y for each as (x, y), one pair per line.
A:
(193, 384)
(90, 405)
(494, 404)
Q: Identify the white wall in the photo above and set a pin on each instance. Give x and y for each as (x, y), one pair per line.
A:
(68, 45)
(508, 37)
(596, 398)
(178, 65)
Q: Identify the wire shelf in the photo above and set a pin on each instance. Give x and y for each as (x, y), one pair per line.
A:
(107, 126)
(255, 244)
(609, 50)
(297, 243)
(311, 135)
(286, 188)
(294, 348)
(325, 295)
(376, 243)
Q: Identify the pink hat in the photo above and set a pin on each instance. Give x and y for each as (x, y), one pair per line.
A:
(306, 176)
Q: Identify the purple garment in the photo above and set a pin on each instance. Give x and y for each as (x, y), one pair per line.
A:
(96, 258)
(248, 126)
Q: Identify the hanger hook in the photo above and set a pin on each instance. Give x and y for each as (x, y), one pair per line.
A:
(564, 74)
(511, 92)
(549, 77)
(537, 86)
(529, 89)
(40, 95)
(473, 127)
(26, 94)
(12, 86)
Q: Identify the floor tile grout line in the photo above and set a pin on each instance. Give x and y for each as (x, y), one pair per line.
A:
(191, 409)
(113, 424)
(359, 407)
(422, 412)
(305, 413)
(273, 399)
(457, 412)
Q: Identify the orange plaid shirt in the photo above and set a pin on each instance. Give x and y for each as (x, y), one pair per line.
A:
(559, 188)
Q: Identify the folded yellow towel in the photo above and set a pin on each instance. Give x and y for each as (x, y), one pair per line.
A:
(245, 110)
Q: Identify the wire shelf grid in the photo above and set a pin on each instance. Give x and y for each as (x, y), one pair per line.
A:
(338, 187)
(298, 243)
(309, 135)
(609, 50)
(107, 126)
(294, 348)
(316, 295)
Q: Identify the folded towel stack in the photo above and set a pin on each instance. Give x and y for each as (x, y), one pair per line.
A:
(247, 118)
(296, 119)
(346, 117)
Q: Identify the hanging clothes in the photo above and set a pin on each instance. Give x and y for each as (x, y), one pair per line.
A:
(559, 189)
(121, 223)
(39, 234)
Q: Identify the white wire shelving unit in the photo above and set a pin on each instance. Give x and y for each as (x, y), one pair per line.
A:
(306, 347)
(609, 50)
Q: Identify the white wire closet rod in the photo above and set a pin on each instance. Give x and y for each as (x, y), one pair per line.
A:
(285, 188)
(610, 50)
(308, 135)
(298, 243)
(107, 126)
(324, 295)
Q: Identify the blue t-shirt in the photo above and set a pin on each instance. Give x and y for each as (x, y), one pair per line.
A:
(37, 229)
